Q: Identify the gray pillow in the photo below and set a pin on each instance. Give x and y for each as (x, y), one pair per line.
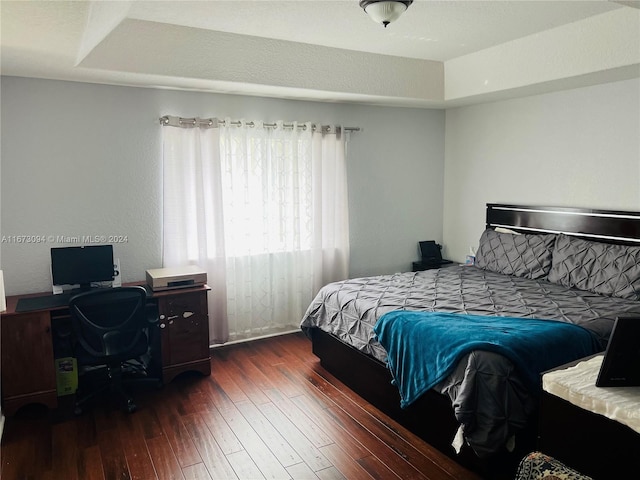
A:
(526, 256)
(606, 269)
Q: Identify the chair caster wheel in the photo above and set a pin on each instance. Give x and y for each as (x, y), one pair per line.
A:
(130, 407)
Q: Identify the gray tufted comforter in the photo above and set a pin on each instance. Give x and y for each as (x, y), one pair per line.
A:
(488, 397)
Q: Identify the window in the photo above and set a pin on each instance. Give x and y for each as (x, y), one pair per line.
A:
(264, 211)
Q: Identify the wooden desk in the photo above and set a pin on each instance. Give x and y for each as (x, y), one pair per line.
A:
(27, 347)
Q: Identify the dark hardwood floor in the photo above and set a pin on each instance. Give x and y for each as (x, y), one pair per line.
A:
(268, 410)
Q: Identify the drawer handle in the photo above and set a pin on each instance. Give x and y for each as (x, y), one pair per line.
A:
(172, 317)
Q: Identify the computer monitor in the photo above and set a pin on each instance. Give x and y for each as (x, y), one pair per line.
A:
(82, 265)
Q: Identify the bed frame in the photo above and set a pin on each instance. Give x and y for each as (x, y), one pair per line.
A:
(607, 226)
(431, 417)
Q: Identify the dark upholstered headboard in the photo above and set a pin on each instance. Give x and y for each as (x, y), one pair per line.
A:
(609, 226)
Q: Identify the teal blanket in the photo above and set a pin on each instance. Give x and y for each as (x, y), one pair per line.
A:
(424, 347)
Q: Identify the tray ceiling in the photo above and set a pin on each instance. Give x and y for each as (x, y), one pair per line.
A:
(438, 54)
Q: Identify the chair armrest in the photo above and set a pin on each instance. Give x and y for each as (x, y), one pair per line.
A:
(152, 314)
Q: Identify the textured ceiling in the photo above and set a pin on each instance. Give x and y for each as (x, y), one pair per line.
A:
(326, 50)
(429, 30)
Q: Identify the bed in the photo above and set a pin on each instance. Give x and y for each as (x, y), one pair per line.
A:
(576, 267)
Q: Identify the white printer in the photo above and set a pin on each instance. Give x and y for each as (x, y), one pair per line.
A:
(176, 277)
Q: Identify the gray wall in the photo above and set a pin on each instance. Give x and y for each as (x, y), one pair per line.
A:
(577, 148)
(83, 159)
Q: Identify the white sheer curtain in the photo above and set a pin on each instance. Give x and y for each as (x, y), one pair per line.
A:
(264, 211)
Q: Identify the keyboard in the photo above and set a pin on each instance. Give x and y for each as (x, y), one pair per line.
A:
(30, 304)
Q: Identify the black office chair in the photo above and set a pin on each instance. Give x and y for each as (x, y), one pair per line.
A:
(111, 330)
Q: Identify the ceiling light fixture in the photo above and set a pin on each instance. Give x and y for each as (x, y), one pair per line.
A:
(385, 11)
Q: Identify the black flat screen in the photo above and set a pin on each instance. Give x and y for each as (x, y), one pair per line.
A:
(82, 265)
